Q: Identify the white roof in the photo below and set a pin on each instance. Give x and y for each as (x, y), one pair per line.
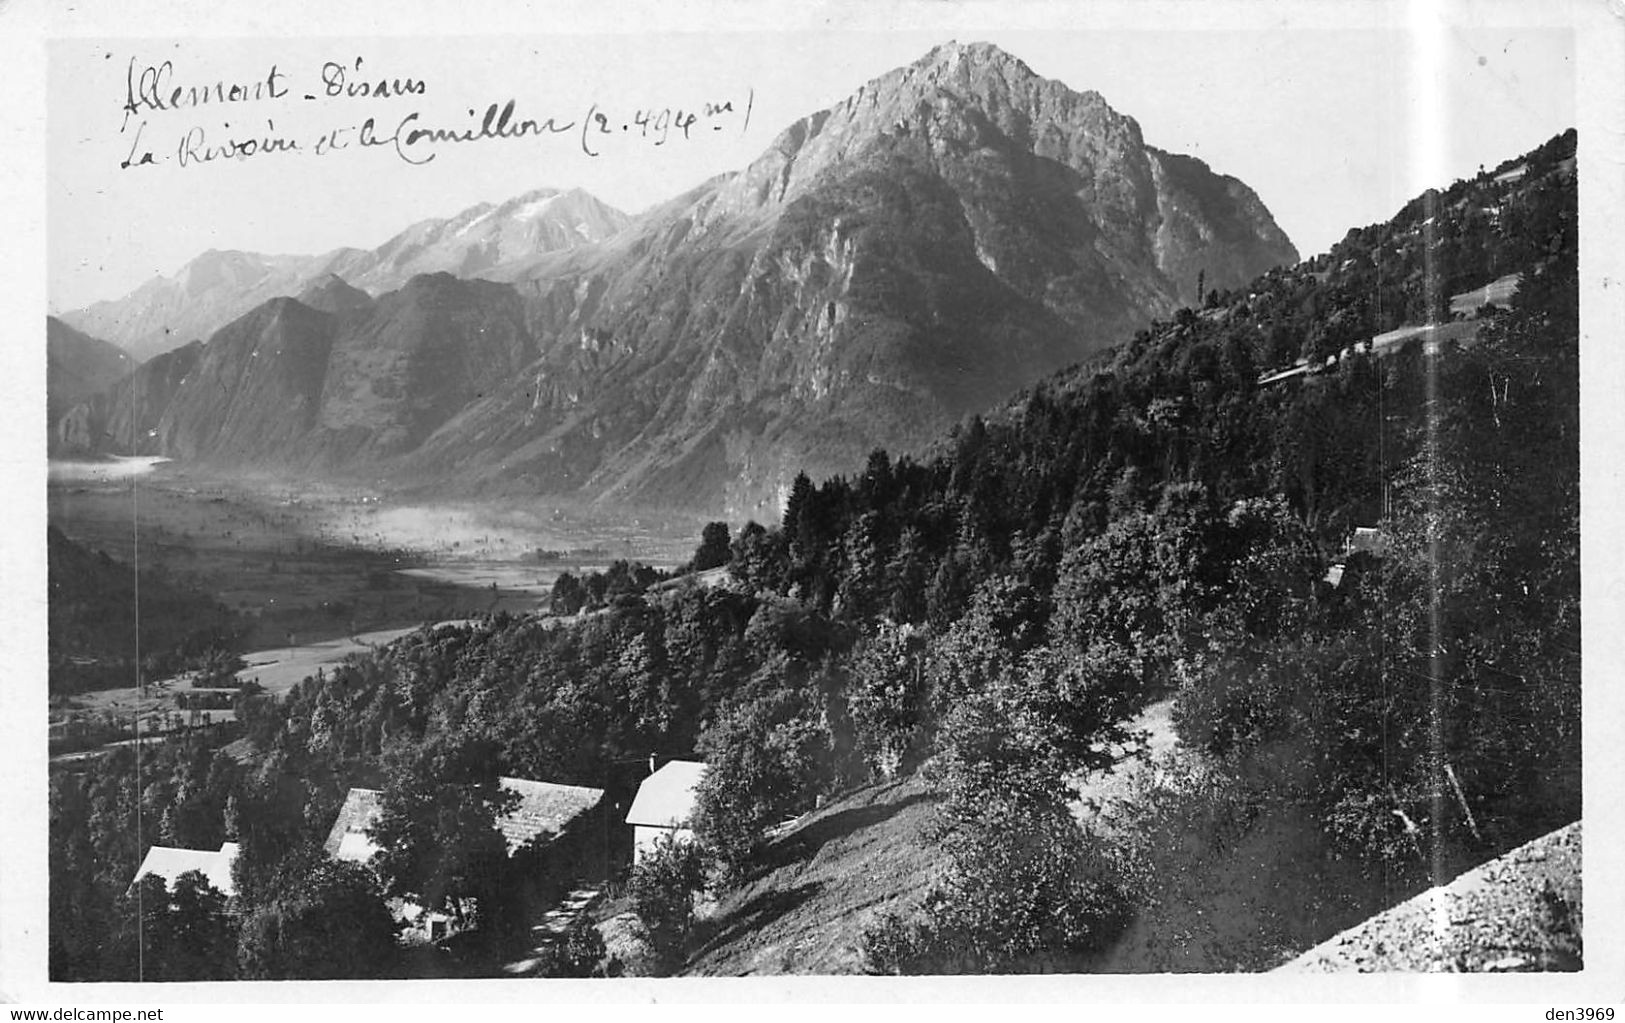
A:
(169, 863)
(348, 839)
(666, 798)
(355, 847)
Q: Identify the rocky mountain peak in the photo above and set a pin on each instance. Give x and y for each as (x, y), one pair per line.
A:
(220, 268)
(977, 57)
(957, 100)
(331, 293)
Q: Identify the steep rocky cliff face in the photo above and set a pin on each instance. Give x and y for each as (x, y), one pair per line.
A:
(953, 231)
(420, 356)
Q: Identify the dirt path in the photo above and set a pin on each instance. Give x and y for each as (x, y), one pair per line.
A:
(552, 928)
(1497, 293)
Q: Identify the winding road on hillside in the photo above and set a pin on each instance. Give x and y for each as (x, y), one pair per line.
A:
(1497, 293)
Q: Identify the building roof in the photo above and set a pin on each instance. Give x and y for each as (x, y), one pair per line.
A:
(666, 798)
(169, 863)
(1368, 539)
(544, 810)
(347, 840)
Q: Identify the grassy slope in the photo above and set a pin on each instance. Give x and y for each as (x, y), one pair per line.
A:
(826, 878)
(822, 881)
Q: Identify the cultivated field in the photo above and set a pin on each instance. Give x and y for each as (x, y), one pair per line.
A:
(325, 562)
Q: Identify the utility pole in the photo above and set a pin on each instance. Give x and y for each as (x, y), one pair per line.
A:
(141, 692)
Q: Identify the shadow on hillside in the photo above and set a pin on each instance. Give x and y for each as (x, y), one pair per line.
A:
(806, 841)
(754, 915)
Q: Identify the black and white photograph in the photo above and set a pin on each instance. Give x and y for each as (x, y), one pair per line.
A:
(1073, 494)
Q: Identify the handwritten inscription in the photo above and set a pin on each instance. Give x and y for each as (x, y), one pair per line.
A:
(154, 93)
(154, 89)
(337, 80)
(195, 146)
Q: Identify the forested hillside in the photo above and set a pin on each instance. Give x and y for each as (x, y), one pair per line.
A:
(1155, 523)
(93, 639)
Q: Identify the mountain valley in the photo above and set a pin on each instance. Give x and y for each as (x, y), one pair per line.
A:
(953, 231)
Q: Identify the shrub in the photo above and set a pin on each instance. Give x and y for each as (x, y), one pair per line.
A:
(892, 944)
(765, 760)
(1022, 894)
(580, 954)
(662, 888)
(1024, 891)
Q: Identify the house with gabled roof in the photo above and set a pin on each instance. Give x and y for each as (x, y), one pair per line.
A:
(170, 863)
(348, 839)
(665, 805)
(555, 832)
(545, 810)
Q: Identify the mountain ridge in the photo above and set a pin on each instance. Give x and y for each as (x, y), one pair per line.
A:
(78, 367)
(218, 285)
(954, 230)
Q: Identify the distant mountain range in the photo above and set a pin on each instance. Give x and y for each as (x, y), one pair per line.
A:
(217, 287)
(951, 232)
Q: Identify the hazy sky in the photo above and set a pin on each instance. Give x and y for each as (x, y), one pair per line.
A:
(1334, 114)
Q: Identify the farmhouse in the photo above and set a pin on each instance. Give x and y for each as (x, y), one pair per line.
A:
(556, 833)
(348, 839)
(545, 811)
(169, 863)
(1368, 540)
(664, 805)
